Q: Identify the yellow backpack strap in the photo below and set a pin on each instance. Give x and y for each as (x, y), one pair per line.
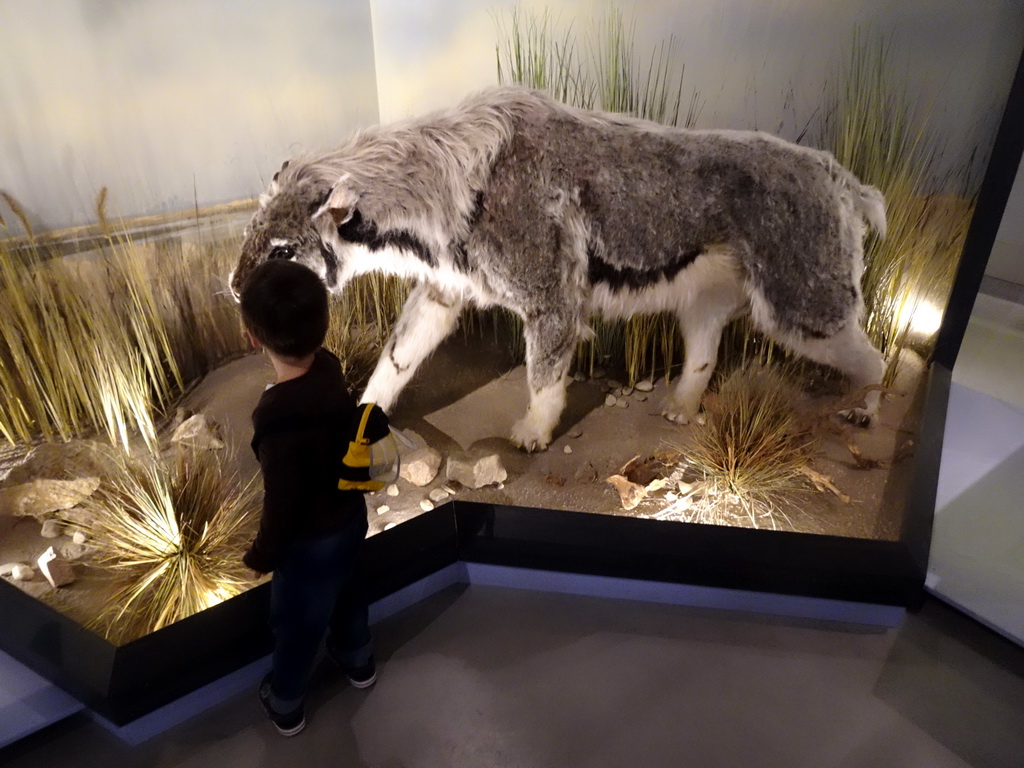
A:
(367, 409)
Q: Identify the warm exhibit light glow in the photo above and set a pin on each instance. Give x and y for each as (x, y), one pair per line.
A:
(922, 318)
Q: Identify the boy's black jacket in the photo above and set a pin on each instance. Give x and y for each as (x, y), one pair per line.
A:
(300, 432)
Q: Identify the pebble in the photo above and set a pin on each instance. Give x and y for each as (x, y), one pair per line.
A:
(627, 391)
(579, 376)
(438, 495)
(51, 529)
(640, 398)
(622, 403)
(576, 433)
(383, 508)
(8, 568)
(78, 537)
(567, 449)
(426, 505)
(392, 490)
(644, 386)
(389, 526)
(22, 573)
(609, 401)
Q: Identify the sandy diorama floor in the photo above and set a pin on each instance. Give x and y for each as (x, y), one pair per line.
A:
(466, 398)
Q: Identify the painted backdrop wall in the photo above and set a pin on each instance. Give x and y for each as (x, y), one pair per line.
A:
(171, 103)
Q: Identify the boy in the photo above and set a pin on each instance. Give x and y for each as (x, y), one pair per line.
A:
(310, 532)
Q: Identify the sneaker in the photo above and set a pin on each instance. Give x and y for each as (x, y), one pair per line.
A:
(287, 725)
(364, 676)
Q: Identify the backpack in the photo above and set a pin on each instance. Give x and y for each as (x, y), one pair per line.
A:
(372, 460)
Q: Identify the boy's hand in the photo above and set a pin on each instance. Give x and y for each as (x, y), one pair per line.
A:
(256, 575)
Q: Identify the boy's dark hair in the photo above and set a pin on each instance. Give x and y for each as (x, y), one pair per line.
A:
(284, 306)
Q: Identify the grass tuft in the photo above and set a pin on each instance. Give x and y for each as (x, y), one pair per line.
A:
(752, 450)
(170, 538)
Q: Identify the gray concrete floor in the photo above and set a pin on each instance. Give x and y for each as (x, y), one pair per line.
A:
(490, 676)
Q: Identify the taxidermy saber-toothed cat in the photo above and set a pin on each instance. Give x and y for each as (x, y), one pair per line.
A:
(514, 199)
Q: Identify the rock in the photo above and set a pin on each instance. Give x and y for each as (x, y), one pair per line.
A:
(640, 398)
(585, 473)
(71, 551)
(59, 461)
(420, 467)
(644, 386)
(78, 537)
(622, 403)
(22, 572)
(51, 529)
(575, 433)
(426, 505)
(476, 470)
(438, 495)
(198, 432)
(11, 457)
(598, 373)
(41, 497)
(627, 391)
(609, 401)
(389, 526)
(8, 568)
(382, 509)
(579, 376)
(57, 571)
(567, 449)
(392, 490)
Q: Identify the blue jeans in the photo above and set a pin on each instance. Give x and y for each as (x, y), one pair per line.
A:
(313, 592)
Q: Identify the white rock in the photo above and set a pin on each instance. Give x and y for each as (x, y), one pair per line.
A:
(438, 495)
(567, 449)
(198, 432)
(392, 490)
(609, 401)
(56, 570)
(644, 386)
(51, 529)
(475, 470)
(8, 568)
(22, 572)
(41, 497)
(389, 526)
(382, 509)
(420, 466)
(78, 537)
(426, 505)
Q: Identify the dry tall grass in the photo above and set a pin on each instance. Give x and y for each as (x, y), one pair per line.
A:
(877, 131)
(108, 341)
